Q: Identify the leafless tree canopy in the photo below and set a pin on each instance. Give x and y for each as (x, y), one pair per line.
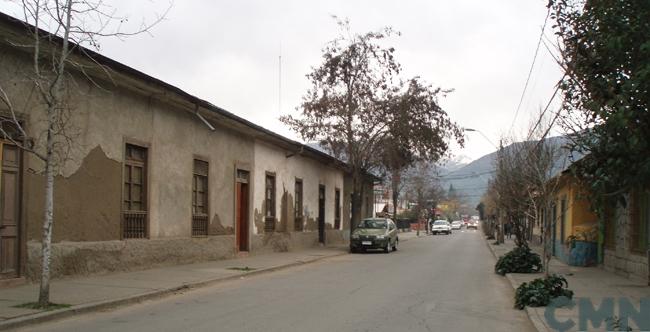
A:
(526, 182)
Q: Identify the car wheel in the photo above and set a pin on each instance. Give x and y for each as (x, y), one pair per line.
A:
(395, 245)
(353, 250)
(387, 247)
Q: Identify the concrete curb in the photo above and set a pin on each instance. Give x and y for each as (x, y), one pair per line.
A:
(532, 314)
(537, 321)
(512, 281)
(487, 243)
(47, 316)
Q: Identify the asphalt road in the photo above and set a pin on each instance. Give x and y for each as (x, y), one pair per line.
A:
(435, 283)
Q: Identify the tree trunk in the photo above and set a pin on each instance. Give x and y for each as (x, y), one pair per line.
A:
(48, 219)
(395, 179)
(546, 239)
(357, 190)
(500, 237)
(518, 226)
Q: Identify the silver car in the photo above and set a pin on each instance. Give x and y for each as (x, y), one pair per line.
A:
(457, 224)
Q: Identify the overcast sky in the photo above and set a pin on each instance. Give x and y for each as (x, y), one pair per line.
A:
(227, 52)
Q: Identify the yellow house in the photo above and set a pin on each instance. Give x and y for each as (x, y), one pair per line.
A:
(574, 224)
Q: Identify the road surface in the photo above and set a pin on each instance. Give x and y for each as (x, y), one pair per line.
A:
(434, 283)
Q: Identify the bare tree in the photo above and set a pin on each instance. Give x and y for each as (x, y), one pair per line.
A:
(57, 56)
(525, 185)
(489, 200)
(543, 164)
(422, 186)
(509, 183)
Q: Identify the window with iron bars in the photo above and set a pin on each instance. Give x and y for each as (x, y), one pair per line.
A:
(298, 209)
(134, 204)
(200, 198)
(269, 199)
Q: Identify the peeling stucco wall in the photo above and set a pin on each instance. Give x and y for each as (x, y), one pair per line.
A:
(271, 159)
(104, 119)
(215, 227)
(87, 203)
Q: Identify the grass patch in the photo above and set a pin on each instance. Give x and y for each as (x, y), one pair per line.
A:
(35, 306)
(244, 269)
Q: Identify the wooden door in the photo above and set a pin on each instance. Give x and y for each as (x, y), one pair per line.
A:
(10, 211)
(241, 211)
(321, 214)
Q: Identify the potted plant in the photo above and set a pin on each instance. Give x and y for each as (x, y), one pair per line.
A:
(583, 246)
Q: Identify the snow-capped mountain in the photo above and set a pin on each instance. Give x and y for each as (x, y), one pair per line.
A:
(454, 163)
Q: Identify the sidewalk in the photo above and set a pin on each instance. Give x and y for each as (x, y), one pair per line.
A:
(592, 283)
(86, 294)
(104, 291)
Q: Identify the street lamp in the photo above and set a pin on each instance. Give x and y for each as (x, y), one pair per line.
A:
(480, 132)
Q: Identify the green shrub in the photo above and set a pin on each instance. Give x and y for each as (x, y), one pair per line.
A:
(518, 260)
(541, 291)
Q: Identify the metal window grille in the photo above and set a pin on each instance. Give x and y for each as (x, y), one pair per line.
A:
(134, 215)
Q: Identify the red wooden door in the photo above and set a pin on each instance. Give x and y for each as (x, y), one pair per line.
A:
(242, 216)
(321, 214)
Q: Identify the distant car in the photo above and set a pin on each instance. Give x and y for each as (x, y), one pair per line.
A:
(472, 224)
(456, 224)
(441, 226)
(374, 233)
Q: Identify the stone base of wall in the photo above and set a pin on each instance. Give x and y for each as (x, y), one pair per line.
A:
(290, 241)
(626, 264)
(336, 237)
(86, 258)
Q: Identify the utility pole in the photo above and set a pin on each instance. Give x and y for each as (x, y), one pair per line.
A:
(500, 237)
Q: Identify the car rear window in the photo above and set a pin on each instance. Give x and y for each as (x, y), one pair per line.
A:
(372, 223)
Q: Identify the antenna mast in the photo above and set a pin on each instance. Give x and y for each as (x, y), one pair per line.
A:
(280, 81)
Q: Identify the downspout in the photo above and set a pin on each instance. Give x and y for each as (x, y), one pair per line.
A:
(204, 120)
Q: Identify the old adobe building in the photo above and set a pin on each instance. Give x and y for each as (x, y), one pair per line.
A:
(156, 176)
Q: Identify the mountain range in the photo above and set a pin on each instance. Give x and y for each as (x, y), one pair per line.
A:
(470, 180)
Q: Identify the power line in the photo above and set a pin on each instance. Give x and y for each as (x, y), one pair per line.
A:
(541, 115)
(530, 71)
